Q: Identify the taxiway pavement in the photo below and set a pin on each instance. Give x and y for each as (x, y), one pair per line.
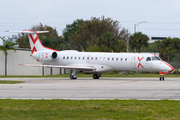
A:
(88, 88)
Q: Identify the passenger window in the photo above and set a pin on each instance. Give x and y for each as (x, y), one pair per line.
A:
(79, 58)
(91, 58)
(75, 58)
(125, 59)
(71, 57)
(112, 59)
(67, 57)
(108, 59)
(63, 57)
(87, 58)
(148, 59)
(116, 59)
(121, 59)
(96, 58)
(83, 58)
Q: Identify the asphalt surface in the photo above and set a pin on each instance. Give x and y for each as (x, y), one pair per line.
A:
(88, 88)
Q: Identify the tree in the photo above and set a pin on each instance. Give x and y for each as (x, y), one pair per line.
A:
(8, 45)
(158, 44)
(151, 48)
(54, 42)
(88, 33)
(176, 46)
(94, 48)
(71, 30)
(108, 42)
(137, 40)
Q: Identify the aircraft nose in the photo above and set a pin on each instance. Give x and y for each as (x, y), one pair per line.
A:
(168, 66)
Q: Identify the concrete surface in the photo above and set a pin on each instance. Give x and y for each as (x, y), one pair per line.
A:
(88, 88)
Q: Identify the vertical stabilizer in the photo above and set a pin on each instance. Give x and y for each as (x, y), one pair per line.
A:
(34, 41)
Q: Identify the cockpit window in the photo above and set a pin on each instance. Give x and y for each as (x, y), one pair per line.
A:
(156, 58)
(148, 59)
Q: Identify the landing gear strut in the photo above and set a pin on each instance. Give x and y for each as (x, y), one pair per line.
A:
(73, 74)
(161, 78)
(96, 75)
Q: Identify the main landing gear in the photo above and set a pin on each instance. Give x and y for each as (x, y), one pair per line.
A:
(73, 75)
(161, 78)
(96, 75)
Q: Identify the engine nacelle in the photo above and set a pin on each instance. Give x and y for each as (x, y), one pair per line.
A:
(45, 55)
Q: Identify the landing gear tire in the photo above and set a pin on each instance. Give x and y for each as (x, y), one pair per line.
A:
(72, 77)
(95, 76)
(161, 78)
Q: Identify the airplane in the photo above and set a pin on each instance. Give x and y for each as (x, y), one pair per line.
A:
(94, 63)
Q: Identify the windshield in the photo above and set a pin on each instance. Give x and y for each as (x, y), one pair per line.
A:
(156, 58)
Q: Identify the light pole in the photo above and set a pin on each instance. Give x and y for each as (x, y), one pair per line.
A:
(135, 25)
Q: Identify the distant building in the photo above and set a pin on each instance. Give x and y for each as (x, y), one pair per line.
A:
(14, 38)
(153, 39)
(7, 38)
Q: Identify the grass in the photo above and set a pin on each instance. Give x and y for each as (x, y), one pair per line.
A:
(89, 109)
(10, 82)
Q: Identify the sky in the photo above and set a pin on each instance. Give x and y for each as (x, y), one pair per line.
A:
(162, 16)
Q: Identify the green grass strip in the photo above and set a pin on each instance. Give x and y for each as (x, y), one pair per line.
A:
(89, 109)
(10, 82)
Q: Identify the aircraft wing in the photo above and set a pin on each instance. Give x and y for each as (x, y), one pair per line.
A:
(86, 68)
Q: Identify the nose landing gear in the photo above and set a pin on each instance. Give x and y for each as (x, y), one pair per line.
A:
(161, 75)
(161, 78)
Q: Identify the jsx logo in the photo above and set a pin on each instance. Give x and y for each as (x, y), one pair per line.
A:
(43, 55)
(140, 63)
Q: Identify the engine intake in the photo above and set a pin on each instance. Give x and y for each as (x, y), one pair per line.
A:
(54, 55)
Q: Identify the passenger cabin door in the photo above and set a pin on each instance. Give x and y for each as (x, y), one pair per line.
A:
(133, 62)
(148, 63)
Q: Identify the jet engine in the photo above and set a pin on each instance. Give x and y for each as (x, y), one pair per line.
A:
(45, 55)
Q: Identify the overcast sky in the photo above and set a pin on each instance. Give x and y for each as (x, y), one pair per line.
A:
(162, 16)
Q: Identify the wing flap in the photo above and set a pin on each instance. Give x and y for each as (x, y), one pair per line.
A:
(87, 68)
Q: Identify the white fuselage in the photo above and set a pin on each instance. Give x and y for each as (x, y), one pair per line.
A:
(103, 62)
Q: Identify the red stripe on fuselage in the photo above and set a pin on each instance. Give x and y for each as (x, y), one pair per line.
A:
(162, 73)
(168, 65)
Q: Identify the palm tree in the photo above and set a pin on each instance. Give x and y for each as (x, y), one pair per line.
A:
(166, 47)
(8, 45)
(137, 40)
(176, 46)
